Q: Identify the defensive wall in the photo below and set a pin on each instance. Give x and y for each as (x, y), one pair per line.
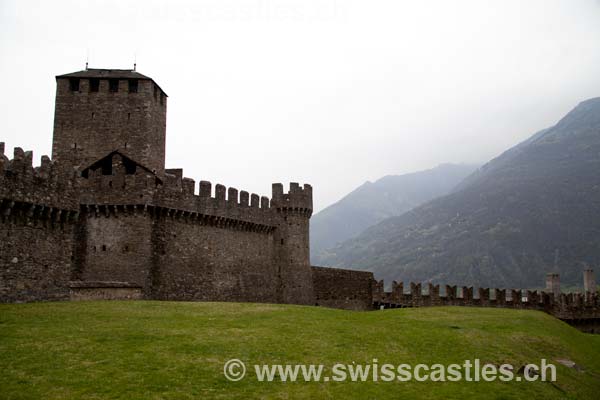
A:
(38, 213)
(122, 225)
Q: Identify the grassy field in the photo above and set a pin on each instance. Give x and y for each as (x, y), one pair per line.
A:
(169, 350)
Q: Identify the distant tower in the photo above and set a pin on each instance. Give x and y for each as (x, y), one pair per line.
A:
(553, 284)
(589, 281)
(101, 110)
(293, 211)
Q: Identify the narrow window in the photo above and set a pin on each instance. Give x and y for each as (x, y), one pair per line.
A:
(93, 115)
(94, 84)
(162, 98)
(103, 247)
(282, 241)
(133, 86)
(113, 85)
(128, 116)
(155, 92)
(107, 166)
(74, 84)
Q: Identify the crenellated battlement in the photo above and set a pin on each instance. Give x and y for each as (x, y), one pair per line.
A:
(228, 203)
(45, 186)
(118, 180)
(566, 306)
(359, 290)
(297, 199)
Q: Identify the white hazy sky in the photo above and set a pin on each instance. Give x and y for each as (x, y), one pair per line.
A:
(331, 93)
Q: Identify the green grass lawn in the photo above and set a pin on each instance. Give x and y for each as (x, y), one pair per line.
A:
(176, 350)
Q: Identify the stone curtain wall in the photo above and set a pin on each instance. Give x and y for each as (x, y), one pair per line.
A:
(38, 211)
(196, 261)
(104, 291)
(180, 243)
(342, 288)
(35, 260)
(117, 247)
(579, 309)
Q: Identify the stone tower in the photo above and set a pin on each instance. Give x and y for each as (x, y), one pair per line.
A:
(292, 215)
(553, 284)
(589, 281)
(102, 110)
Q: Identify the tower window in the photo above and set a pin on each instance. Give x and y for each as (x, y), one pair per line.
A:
(94, 84)
(113, 85)
(133, 86)
(74, 84)
(155, 92)
(162, 99)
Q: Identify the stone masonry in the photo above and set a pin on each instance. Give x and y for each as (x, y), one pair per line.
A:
(105, 218)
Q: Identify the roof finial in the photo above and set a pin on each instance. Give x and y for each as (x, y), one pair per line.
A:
(134, 61)
(87, 58)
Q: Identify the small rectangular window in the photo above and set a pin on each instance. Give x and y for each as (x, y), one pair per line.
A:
(94, 84)
(74, 84)
(113, 85)
(133, 86)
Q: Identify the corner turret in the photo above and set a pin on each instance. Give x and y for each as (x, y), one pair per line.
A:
(292, 213)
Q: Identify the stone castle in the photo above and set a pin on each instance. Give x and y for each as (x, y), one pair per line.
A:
(104, 219)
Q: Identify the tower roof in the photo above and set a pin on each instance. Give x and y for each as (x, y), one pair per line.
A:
(103, 73)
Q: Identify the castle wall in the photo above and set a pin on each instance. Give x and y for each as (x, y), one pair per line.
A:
(343, 288)
(116, 223)
(116, 247)
(105, 291)
(194, 261)
(225, 245)
(35, 260)
(37, 217)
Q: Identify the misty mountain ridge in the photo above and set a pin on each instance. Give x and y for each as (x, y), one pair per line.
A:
(532, 210)
(373, 202)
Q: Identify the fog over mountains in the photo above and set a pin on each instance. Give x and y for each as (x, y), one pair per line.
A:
(532, 210)
(373, 202)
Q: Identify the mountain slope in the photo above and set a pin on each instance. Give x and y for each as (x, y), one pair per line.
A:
(373, 202)
(534, 207)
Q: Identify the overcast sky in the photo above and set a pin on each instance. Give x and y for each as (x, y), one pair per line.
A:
(331, 93)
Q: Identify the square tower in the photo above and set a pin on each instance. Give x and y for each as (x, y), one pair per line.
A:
(102, 110)
(589, 281)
